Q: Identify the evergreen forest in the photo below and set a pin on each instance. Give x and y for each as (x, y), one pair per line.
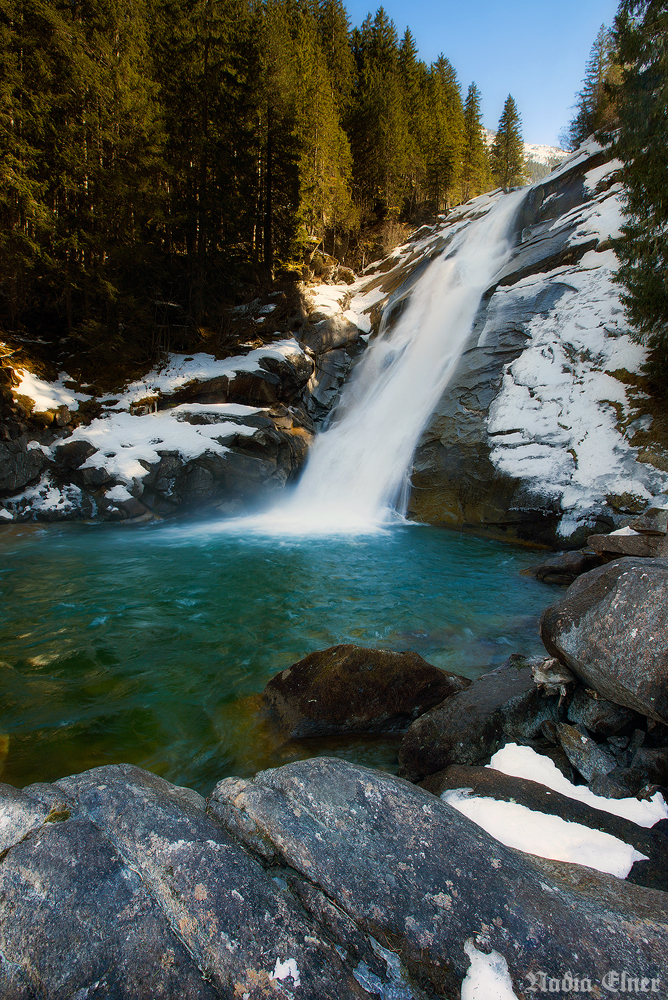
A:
(162, 160)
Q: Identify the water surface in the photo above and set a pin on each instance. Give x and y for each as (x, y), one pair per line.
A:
(149, 644)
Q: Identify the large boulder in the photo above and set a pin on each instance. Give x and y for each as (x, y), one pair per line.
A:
(610, 628)
(350, 689)
(411, 870)
(118, 884)
(470, 726)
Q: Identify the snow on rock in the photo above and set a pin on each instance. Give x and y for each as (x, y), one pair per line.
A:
(126, 442)
(547, 836)
(523, 762)
(488, 977)
(48, 395)
(558, 421)
(182, 369)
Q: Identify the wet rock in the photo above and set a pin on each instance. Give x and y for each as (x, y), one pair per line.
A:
(647, 546)
(610, 629)
(409, 869)
(585, 754)
(565, 567)
(598, 715)
(349, 689)
(486, 782)
(471, 725)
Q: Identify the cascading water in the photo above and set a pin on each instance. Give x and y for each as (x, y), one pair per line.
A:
(357, 469)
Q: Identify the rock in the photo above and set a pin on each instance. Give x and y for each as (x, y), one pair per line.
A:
(327, 333)
(470, 726)
(410, 870)
(652, 764)
(486, 782)
(331, 371)
(135, 892)
(349, 689)
(620, 783)
(610, 629)
(76, 917)
(585, 754)
(654, 521)
(598, 715)
(73, 454)
(565, 567)
(629, 545)
(19, 464)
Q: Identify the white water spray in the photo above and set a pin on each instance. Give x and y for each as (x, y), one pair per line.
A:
(357, 469)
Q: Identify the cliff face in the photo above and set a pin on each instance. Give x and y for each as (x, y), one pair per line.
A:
(543, 434)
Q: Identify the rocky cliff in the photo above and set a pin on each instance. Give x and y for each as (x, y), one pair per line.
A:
(543, 435)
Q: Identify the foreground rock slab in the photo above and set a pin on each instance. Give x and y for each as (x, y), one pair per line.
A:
(610, 628)
(350, 689)
(131, 890)
(410, 870)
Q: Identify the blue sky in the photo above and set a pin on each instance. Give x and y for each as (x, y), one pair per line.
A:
(535, 50)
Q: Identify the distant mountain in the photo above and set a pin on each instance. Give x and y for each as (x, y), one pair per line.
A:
(540, 160)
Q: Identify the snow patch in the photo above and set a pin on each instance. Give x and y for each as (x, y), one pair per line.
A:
(488, 977)
(284, 969)
(47, 395)
(523, 762)
(547, 836)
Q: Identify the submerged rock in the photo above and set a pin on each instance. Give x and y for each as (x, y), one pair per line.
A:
(610, 628)
(349, 689)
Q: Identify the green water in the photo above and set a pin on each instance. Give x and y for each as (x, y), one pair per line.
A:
(146, 644)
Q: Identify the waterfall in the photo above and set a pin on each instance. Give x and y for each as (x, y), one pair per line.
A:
(357, 470)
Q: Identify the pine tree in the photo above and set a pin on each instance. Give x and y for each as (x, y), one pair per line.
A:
(508, 148)
(594, 107)
(324, 153)
(446, 135)
(475, 161)
(641, 30)
(377, 125)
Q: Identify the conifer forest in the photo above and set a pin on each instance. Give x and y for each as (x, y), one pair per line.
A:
(162, 160)
(163, 156)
